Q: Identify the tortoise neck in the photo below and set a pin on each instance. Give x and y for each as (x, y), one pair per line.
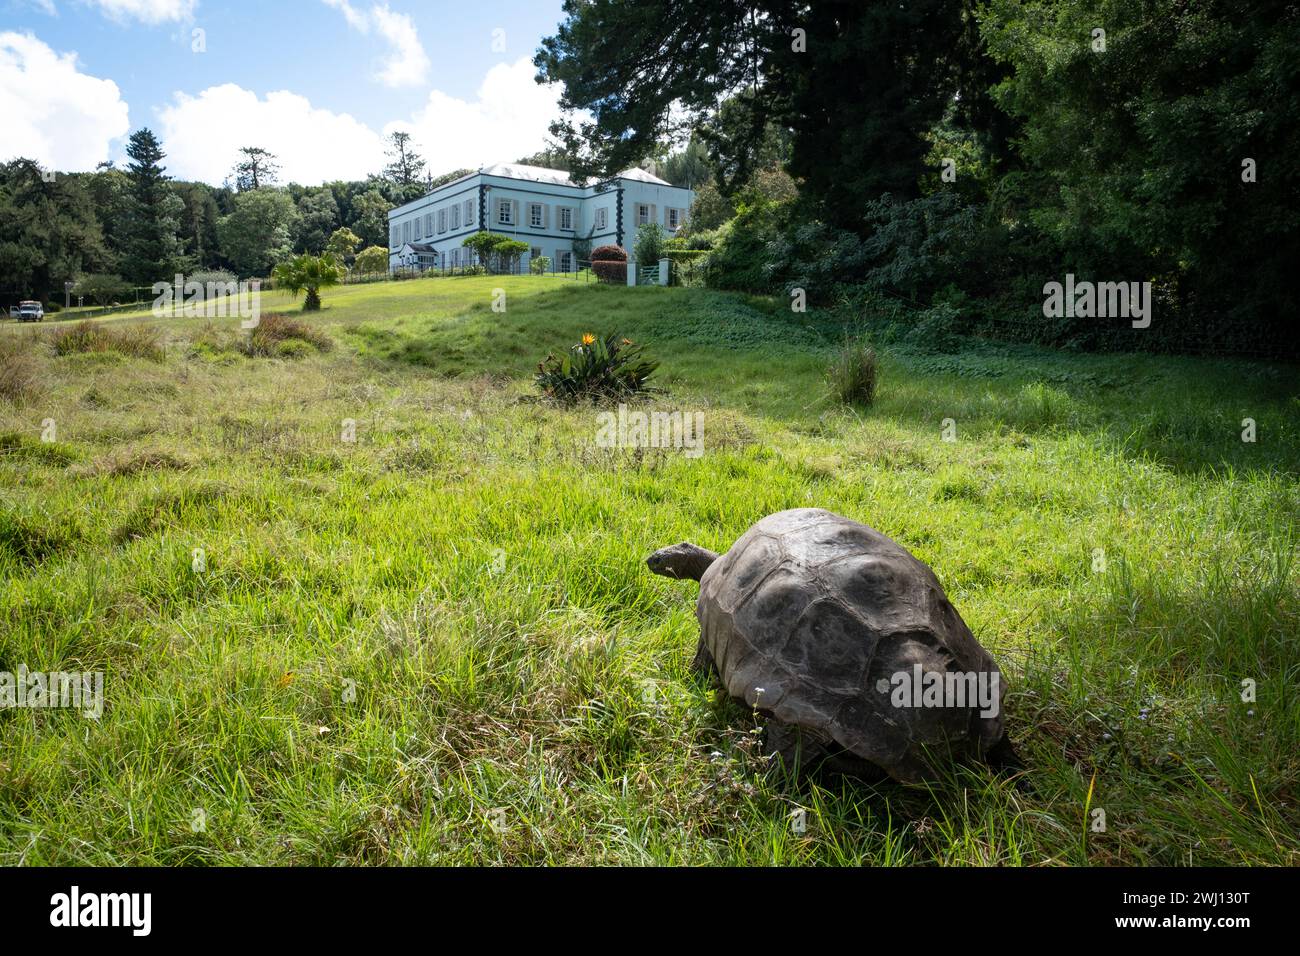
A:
(694, 562)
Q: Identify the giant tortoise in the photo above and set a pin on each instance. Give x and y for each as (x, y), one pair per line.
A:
(846, 644)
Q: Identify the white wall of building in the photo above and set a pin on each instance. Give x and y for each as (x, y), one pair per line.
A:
(548, 215)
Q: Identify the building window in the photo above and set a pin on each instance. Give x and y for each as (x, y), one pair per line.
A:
(455, 258)
(428, 225)
(535, 215)
(535, 252)
(674, 218)
(406, 231)
(442, 220)
(505, 212)
(455, 216)
(602, 219)
(642, 213)
(469, 212)
(394, 237)
(566, 218)
(565, 260)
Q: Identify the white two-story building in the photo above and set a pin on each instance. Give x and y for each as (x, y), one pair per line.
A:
(542, 207)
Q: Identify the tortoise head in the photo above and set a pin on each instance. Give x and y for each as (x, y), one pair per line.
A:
(683, 560)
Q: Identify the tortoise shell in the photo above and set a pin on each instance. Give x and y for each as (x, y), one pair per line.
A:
(818, 621)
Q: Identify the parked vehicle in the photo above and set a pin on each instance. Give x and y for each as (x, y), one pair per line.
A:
(30, 312)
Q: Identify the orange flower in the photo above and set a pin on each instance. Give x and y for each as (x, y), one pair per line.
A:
(588, 338)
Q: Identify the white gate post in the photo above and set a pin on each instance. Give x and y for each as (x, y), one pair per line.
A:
(663, 271)
(631, 272)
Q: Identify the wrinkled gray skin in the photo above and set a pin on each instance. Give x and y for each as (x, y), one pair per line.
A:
(804, 618)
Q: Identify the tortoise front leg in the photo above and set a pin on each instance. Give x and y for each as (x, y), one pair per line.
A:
(793, 750)
(703, 660)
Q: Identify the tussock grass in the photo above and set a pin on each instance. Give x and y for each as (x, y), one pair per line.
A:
(128, 461)
(19, 371)
(136, 340)
(396, 637)
(853, 373)
(280, 335)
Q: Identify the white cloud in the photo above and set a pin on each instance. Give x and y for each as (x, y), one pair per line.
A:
(507, 119)
(147, 11)
(356, 19)
(203, 134)
(405, 63)
(54, 113)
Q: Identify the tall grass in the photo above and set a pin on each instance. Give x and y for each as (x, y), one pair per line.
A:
(853, 373)
(434, 640)
(19, 371)
(138, 340)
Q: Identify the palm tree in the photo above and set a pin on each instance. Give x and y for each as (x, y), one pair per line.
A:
(307, 274)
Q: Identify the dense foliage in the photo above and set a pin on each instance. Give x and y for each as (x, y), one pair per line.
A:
(957, 157)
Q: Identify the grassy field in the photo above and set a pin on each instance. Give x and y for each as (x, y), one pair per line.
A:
(438, 643)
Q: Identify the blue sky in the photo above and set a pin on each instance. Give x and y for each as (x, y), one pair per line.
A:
(317, 81)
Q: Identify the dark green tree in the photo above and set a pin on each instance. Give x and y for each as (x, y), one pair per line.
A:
(150, 242)
(48, 230)
(318, 217)
(856, 83)
(198, 223)
(370, 218)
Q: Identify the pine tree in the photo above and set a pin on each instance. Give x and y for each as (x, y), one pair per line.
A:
(406, 164)
(258, 168)
(151, 240)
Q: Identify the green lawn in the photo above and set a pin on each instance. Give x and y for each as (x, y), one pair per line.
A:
(472, 568)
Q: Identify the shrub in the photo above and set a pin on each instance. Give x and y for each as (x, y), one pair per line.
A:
(18, 370)
(582, 246)
(474, 270)
(139, 341)
(539, 265)
(740, 259)
(220, 279)
(612, 272)
(609, 263)
(371, 260)
(650, 240)
(685, 255)
(277, 335)
(939, 327)
(102, 288)
(853, 373)
(595, 368)
(497, 252)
